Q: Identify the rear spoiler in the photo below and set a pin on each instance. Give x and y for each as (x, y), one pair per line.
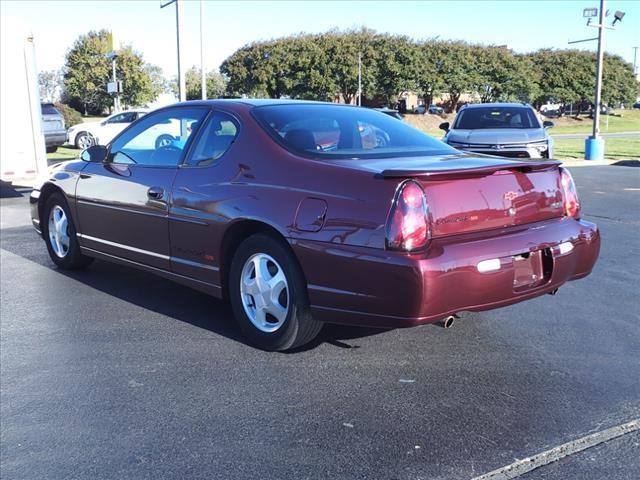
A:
(454, 173)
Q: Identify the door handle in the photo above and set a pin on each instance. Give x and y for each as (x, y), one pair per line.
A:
(155, 192)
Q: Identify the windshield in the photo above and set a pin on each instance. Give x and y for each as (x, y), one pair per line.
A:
(496, 117)
(340, 131)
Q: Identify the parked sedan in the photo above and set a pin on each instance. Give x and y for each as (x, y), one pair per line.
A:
(84, 135)
(432, 109)
(287, 210)
(503, 129)
(53, 127)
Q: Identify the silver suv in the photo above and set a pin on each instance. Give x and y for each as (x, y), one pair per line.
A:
(53, 127)
(501, 129)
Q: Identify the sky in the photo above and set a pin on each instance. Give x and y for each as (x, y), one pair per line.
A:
(523, 25)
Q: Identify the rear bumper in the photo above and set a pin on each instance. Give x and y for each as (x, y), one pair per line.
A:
(55, 139)
(364, 286)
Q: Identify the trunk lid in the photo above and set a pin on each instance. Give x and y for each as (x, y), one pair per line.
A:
(467, 193)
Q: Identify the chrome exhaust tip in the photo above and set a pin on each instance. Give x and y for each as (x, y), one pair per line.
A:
(447, 322)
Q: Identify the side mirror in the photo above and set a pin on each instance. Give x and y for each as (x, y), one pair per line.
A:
(103, 123)
(444, 126)
(95, 154)
(548, 124)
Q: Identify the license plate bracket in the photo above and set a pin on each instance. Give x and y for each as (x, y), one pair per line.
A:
(531, 269)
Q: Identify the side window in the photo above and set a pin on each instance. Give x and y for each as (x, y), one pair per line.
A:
(218, 134)
(158, 139)
(127, 117)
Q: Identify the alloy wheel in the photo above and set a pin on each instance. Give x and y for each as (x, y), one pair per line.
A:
(59, 231)
(85, 141)
(264, 292)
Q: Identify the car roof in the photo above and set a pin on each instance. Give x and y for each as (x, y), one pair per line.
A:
(254, 102)
(496, 105)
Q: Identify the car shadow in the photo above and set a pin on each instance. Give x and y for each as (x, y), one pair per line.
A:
(163, 296)
(7, 190)
(627, 163)
(190, 306)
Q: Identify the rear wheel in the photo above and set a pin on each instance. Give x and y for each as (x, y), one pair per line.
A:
(60, 235)
(268, 295)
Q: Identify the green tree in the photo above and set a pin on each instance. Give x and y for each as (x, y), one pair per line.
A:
(618, 83)
(141, 82)
(87, 72)
(499, 75)
(427, 63)
(396, 66)
(455, 66)
(565, 76)
(216, 84)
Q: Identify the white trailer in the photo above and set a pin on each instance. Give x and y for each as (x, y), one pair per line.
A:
(22, 147)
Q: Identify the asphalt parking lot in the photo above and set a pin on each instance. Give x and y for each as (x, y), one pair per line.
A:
(112, 373)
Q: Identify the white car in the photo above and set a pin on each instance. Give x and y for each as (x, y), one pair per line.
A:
(84, 135)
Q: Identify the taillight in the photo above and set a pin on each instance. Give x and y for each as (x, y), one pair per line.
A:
(408, 222)
(570, 194)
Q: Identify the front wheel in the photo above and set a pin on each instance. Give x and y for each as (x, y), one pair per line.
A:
(60, 235)
(268, 295)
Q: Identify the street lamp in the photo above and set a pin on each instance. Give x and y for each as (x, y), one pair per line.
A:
(114, 86)
(594, 145)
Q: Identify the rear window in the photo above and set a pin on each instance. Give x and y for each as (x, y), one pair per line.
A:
(49, 109)
(340, 132)
(496, 117)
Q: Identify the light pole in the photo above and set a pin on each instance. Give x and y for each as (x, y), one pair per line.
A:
(594, 146)
(182, 91)
(635, 55)
(114, 86)
(203, 75)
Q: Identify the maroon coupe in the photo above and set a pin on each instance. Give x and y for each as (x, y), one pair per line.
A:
(302, 213)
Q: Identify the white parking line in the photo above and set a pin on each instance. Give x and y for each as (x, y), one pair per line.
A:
(549, 456)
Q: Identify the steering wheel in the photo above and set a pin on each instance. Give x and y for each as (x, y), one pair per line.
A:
(163, 149)
(164, 140)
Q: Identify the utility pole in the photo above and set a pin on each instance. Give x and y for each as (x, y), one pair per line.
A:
(599, 65)
(359, 79)
(635, 55)
(203, 74)
(182, 91)
(116, 95)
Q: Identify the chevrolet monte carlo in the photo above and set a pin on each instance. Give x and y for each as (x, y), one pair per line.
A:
(301, 213)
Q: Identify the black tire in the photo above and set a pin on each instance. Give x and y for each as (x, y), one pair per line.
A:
(299, 327)
(73, 259)
(51, 149)
(90, 141)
